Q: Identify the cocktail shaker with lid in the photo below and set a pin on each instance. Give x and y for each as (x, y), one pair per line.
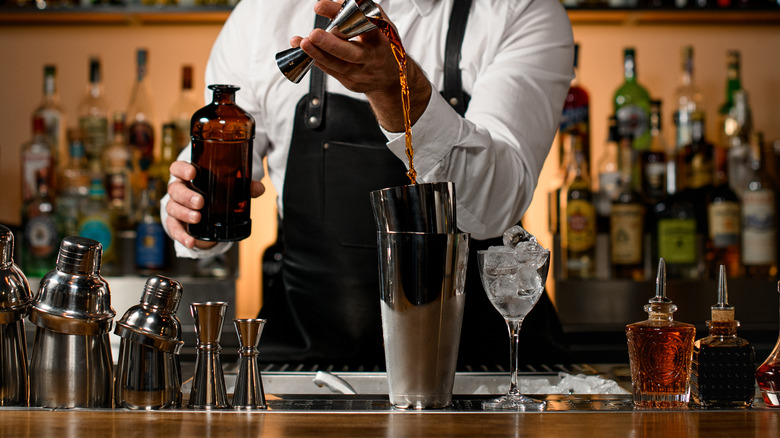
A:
(14, 304)
(71, 363)
(148, 374)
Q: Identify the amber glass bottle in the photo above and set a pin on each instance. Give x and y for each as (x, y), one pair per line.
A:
(660, 351)
(222, 135)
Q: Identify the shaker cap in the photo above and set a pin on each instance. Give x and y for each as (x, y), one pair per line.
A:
(162, 293)
(153, 322)
(79, 255)
(6, 246)
(15, 297)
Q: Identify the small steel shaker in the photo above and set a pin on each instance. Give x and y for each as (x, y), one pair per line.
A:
(15, 302)
(71, 363)
(148, 374)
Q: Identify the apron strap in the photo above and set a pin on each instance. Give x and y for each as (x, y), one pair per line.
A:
(315, 107)
(453, 87)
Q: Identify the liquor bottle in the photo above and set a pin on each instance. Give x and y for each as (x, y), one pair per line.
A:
(97, 223)
(740, 128)
(74, 186)
(140, 114)
(575, 119)
(121, 176)
(36, 155)
(759, 218)
(722, 245)
(222, 135)
(53, 116)
(768, 375)
(653, 161)
(626, 225)
(689, 101)
(579, 220)
(169, 151)
(631, 103)
(675, 236)
(93, 116)
(723, 370)
(606, 192)
(660, 351)
(183, 109)
(695, 167)
(40, 237)
(733, 84)
(150, 243)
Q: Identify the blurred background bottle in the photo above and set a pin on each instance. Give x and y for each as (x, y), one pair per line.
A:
(36, 155)
(689, 101)
(93, 116)
(97, 223)
(40, 238)
(579, 220)
(182, 110)
(627, 222)
(733, 84)
(140, 114)
(121, 176)
(575, 119)
(74, 187)
(654, 176)
(150, 247)
(631, 103)
(759, 218)
(54, 122)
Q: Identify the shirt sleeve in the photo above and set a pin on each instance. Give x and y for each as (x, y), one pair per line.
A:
(494, 155)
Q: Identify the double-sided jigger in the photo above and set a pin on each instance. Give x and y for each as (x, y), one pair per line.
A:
(208, 384)
(248, 391)
(15, 302)
(149, 371)
(352, 20)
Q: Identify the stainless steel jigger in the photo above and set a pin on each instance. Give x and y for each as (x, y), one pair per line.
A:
(351, 21)
(208, 384)
(15, 300)
(248, 392)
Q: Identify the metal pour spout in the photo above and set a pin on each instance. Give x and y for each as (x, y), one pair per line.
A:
(352, 20)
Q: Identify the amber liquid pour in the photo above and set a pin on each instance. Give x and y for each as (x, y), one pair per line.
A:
(400, 56)
(660, 364)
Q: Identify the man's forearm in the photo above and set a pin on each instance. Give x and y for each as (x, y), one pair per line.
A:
(387, 105)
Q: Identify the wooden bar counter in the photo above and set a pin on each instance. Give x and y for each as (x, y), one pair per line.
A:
(66, 423)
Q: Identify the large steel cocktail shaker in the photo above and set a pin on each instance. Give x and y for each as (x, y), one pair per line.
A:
(15, 302)
(70, 363)
(148, 374)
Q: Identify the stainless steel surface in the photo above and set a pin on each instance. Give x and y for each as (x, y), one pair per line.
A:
(208, 388)
(248, 392)
(148, 371)
(422, 299)
(423, 208)
(351, 21)
(71, 362)
(15, 299)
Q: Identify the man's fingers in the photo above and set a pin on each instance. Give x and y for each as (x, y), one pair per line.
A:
(182, 194)
(183, 170)
(179, 233)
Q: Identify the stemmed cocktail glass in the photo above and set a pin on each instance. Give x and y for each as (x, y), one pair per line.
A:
(514, 278)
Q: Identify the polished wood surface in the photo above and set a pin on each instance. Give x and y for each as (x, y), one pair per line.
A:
(123, 424)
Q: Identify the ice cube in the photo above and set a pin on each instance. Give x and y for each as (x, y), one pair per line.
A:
(515, 235)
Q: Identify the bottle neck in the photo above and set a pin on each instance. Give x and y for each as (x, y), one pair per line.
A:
(629, 68)
(723, 328)
(224, 97)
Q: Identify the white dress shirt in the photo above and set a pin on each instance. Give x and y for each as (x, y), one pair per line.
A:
(516, 65)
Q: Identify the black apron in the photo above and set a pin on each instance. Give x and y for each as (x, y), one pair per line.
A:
(321, 281)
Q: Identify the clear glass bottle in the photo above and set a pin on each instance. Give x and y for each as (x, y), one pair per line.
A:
(54, 123)
(40, 236)
(121, 176)
(768, 375)
(222, 135)
(654, 177)
(579, 218)
(759, 218)
(660, 352)
(626, 225)
(740, 127)
(36, 155)
(606, 192)
(182, 110)
(141, 119)
(93, 115)
(722, 245)
(733, 84)
(631, 104)
(723, 364)
(689, 101)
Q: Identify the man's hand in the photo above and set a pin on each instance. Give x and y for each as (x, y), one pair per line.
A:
(184, 205)
(366, 65)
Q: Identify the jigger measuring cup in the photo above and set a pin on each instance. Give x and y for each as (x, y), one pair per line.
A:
(248, 391)
(208, 384)
(351, 21)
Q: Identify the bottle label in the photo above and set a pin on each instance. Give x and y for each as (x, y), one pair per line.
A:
(699, 171)
(677, 240)
(724, 224)
(759, 228)
(40, 234)
(575, 118)
(655, 175)
(141, 135)
(150, 245)
(33, 162)
(633, 120)
(581, 224)
(95, 132)
(626, 233)
(98, 228)
(116, 187)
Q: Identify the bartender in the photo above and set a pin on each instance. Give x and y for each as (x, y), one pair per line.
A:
(487, 83)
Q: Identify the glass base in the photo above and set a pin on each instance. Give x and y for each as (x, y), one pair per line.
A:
(512, 402)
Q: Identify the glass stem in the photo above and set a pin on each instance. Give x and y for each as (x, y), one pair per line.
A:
(514, 351)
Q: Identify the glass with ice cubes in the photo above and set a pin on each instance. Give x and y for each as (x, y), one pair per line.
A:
(513, 276)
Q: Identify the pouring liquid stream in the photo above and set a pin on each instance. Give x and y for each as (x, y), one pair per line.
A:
(400, 56)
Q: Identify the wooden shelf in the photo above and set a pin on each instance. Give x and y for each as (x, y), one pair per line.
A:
(139, 15)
